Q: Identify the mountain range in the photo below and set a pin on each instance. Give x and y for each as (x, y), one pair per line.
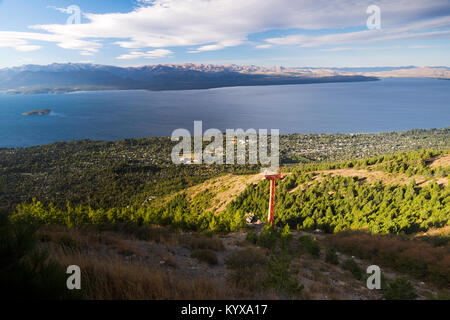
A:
(69, 77)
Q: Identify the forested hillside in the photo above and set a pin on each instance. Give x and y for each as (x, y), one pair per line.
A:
(307, 199)
(121, 173)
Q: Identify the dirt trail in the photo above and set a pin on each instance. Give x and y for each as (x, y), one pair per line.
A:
(441, 162)
(384, 177)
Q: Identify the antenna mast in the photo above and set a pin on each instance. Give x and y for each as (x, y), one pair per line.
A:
(272, 175)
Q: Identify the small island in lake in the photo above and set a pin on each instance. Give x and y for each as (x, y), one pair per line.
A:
(42, 112)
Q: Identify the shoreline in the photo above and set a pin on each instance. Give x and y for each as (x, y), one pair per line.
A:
(57, 91)
(11, 92)
(281, 136)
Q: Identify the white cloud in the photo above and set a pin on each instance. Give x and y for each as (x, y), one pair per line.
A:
(220, 45)
(11, 40)
(18, 44)
(62, 10)
(20, 41)
(366, 36)
(153, 54)
(206, 25)
(264, 46)
(426, 29)
(336, 49)
(26, 48)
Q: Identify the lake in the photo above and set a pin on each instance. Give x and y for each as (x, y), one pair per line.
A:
(386, 105)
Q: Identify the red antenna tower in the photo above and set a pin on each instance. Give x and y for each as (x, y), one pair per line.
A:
(272, 175)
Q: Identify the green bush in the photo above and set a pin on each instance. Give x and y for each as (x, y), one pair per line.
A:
(280, 276)
(286, 236)
(311, 245)
(251, 237)
(25, 271)
(400, 289)
(353, 267)
(205, 255)
(331, 256)
(268, 237)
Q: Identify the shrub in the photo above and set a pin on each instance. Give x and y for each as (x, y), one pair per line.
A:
(400, 289)
(251, 237)
(205, 255)
(353, 267)
(286, 236)
(247, 268)
(26, 272)
(245, 258)
(204, 242)
(311, 245)
(415, 257)
(147, 233)
(279, 275)
(68, 243)
(441, 295)
(331, 256)
(268, 237)
(436, 241)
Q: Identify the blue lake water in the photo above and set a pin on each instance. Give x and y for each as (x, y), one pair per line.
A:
(386, 105)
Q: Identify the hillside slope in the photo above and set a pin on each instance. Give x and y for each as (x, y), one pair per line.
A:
(334, 219)
(223, 190)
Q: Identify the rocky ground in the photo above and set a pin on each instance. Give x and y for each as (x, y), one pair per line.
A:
(172, 254)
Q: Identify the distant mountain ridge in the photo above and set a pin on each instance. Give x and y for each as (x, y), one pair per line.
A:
(417, 72)
(75, 77)
(68, 77)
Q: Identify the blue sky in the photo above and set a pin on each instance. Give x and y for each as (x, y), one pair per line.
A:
(315, 33)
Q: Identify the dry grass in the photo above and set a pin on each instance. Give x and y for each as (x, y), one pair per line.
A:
(158, 234)
(202, 242)
(82, 240)
(113, 278)
(247, 269)
(224, 189)
(415, 257)
(436, 232)
(108, 272)
(205, 255)
(127, 248)
(116, 265)
(227, 188)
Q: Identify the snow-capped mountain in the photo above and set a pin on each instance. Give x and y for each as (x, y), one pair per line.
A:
(65, 77)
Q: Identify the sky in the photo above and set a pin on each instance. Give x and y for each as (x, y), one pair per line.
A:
(290, 33)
